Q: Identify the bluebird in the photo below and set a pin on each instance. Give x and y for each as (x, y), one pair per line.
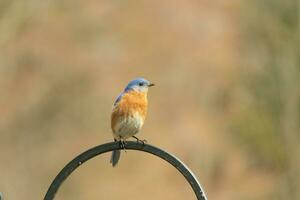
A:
(129, 113)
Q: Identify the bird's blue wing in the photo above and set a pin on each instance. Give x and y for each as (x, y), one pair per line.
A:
(118, 99)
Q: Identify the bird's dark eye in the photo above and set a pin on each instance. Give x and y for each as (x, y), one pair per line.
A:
(141, 84)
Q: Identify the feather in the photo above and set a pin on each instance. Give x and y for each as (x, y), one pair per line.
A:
(115, 157)
(129, 114)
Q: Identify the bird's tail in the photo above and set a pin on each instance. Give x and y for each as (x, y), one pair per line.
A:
(115, 157)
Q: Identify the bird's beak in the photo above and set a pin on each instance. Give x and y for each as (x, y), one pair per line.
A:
(151, 84)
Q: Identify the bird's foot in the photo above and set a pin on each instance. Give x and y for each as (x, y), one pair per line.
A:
(138, 140)
(122, 144)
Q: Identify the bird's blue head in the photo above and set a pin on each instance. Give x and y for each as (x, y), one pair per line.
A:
(138, 85)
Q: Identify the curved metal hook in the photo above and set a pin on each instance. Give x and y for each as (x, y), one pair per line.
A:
(85, 156)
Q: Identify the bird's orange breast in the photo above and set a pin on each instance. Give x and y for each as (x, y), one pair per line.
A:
(130, 104)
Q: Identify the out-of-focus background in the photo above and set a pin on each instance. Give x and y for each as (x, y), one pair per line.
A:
(226, 101)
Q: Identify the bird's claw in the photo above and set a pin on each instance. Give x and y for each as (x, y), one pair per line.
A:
(140, 141)
(122, 144)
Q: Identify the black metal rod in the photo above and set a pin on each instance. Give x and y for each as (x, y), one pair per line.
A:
(130, 145)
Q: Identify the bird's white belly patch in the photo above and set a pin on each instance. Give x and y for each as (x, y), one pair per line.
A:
(129, 126)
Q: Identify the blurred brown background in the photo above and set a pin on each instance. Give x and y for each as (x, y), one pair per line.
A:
(227, 98)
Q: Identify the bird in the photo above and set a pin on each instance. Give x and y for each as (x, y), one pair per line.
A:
(128, 114)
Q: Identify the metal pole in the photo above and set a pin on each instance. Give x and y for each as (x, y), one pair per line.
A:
(130, 145)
